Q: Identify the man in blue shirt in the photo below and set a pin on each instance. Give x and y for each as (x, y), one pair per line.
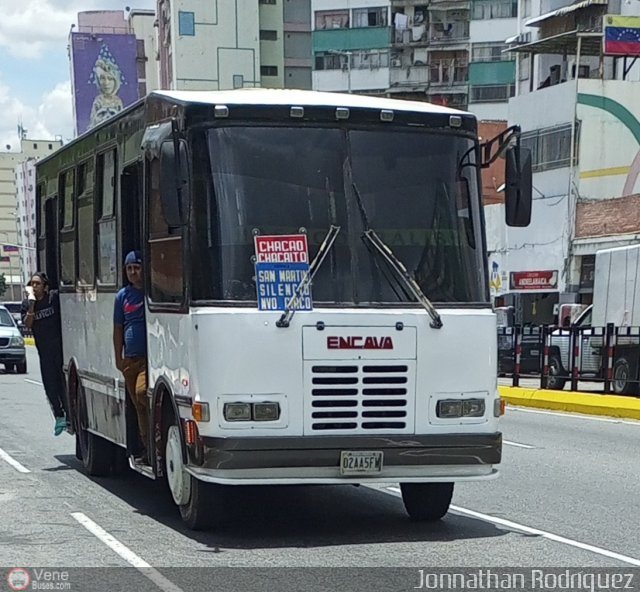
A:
(130, 343)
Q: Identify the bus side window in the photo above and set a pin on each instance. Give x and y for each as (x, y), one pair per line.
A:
(165, 244)
(68, 261)
(106, 225)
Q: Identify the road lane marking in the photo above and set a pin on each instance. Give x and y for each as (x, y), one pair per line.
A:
(33, 381)
(13, 462)
(127, 554)
(543, 533)
(517, 444)
(576, 416)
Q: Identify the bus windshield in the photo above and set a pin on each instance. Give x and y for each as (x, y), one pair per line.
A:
(407, 185)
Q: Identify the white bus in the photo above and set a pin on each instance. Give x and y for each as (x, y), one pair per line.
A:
(317, 300)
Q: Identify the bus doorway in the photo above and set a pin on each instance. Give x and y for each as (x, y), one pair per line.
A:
(131, 240)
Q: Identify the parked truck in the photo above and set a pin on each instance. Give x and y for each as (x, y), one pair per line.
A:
(616, 299)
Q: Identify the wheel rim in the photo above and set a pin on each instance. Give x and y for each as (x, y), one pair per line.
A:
(178, 479)
(620, 378)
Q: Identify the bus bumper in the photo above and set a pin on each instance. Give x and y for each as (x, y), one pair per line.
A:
(316, 460)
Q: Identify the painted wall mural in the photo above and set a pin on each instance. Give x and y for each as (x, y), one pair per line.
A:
(104, 76)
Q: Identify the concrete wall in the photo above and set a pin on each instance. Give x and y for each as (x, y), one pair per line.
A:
(272, 52)
(225, 44)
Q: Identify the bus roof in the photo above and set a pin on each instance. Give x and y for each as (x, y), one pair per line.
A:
(272, 96)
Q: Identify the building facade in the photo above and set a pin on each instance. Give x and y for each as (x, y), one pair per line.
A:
(580, 118)
(15, 217)
(213, 45)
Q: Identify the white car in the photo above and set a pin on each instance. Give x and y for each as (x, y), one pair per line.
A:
(12, 351)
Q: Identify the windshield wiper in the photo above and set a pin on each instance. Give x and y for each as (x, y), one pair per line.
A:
(403, 274)
(325, 247)
(401, 271)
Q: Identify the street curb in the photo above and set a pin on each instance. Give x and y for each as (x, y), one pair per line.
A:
(590, 404)
(29, 341)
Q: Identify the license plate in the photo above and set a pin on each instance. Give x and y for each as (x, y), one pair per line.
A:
(360, 462)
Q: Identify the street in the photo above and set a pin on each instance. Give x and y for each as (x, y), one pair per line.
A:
(567, 496)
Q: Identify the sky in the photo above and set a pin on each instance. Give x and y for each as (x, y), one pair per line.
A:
(35, 89)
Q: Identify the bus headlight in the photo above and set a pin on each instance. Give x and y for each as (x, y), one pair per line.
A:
(237, 411)
(266, 411)
(452, 408)
(449, 408)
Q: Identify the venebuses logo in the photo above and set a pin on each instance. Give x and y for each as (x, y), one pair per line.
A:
(18, 579)
(359, 342)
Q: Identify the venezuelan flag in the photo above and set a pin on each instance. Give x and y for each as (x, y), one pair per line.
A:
(622, 35)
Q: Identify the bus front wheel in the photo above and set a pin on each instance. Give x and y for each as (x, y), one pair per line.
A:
(200, 503)
(426, 502)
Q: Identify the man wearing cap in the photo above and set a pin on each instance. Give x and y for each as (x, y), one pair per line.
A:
(130, 343)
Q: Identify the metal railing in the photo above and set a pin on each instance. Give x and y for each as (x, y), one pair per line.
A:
(558, 357)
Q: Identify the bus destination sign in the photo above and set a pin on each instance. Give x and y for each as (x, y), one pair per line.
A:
(281, 263)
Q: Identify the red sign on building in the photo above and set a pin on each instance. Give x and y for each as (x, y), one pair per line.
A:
(534, 280)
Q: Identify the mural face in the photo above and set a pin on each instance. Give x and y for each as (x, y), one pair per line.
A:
(104, 76)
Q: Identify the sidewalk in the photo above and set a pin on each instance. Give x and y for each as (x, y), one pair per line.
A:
(588, 403)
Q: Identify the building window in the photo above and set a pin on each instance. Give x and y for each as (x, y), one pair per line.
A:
(268, 70)
(492, 9)
(523, 67)
(369, 17)
(332, 19)
(186, 23)
(551, 147)
(489, 52)
(268, 2)
(492, 93)
(267, 35)
(360, 60)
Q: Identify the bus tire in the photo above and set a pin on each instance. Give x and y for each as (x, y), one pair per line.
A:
(426, 502)
(96, 453)
(200, 503)
(623, 383)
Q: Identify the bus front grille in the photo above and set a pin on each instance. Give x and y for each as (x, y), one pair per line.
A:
(359, 396)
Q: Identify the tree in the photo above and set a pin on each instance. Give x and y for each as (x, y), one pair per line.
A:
(3, 284)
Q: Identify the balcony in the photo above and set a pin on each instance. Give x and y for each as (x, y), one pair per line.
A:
(410, 76)
(453, 32)
(449, 73)
(412, 35)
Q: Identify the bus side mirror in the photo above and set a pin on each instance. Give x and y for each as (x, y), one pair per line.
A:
(518, 186)
(174, 182)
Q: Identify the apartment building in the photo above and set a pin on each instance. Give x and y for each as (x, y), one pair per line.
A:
(15, 220)
(213, 45)
(448, 52)
(580, 117)
(351, 45)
